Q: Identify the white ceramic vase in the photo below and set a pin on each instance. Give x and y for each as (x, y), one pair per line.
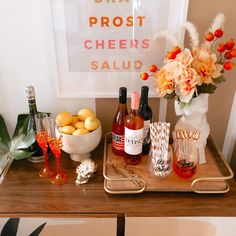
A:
(193, 116)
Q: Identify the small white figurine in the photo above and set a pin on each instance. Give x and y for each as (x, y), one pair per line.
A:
(85, 171)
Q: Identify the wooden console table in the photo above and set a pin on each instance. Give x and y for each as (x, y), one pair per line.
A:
(24, 194)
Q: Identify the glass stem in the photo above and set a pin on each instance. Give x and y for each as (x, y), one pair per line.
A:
(45, 158)
(58, 165)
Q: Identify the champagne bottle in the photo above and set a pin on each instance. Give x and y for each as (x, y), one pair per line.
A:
(133, 132)
(146, 111)
(37, 155)
(118, 129)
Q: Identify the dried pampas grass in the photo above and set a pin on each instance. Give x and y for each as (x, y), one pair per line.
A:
(170, 37)
(218, 22)
(194, 37)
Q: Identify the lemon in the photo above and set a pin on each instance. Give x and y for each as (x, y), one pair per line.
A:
(85, 113)
(79, 125)
(75, 119)
(79, 132)
(68, 129)
(91, 123)
(64, 118)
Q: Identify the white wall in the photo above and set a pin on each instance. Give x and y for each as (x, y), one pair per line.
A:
(230, 136)
(27, 57)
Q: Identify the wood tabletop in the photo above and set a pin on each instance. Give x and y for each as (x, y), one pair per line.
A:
(23, 193)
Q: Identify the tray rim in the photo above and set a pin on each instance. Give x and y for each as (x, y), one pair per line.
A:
(212, 179)
(142, 182)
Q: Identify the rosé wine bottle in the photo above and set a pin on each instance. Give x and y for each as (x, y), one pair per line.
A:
(134, 124)
(118, 129)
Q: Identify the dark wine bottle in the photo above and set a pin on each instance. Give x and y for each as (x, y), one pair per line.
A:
(146, 111)
(37, 155)
(118, 124)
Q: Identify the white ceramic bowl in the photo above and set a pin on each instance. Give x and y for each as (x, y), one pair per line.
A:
(80, 147)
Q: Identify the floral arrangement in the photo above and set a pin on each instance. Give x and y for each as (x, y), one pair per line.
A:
(188, 72)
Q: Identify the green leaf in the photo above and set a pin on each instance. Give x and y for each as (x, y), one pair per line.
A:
(20, 154)
(16, 141)
(4, 135)
(22, 138)
(21, 125)
(3, 148)
(27, 140)
(22, 142)
(219, 79)
(206, 88)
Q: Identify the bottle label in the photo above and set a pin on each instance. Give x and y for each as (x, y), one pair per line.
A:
(146, 132)
(117, 141)
(133, 141)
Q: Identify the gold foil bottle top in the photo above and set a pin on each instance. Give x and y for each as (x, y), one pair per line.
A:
(30, 92)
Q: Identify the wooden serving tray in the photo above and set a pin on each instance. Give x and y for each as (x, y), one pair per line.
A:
(121, 178)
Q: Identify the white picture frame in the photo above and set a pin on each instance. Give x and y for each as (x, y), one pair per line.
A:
(74, 79)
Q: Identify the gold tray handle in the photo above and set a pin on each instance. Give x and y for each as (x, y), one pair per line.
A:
(140, 183)
(210, 179)
(213, 179)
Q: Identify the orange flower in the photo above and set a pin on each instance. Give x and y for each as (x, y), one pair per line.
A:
(204, 62)
(164, 84)
(185, 57)
(186, 89)
(179, 76)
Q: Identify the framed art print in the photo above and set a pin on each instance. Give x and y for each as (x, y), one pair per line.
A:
(102, 45)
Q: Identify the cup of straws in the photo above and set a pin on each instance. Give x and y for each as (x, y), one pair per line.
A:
(161, 152)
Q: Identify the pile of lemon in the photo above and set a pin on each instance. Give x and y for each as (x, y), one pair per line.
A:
(83, 123)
